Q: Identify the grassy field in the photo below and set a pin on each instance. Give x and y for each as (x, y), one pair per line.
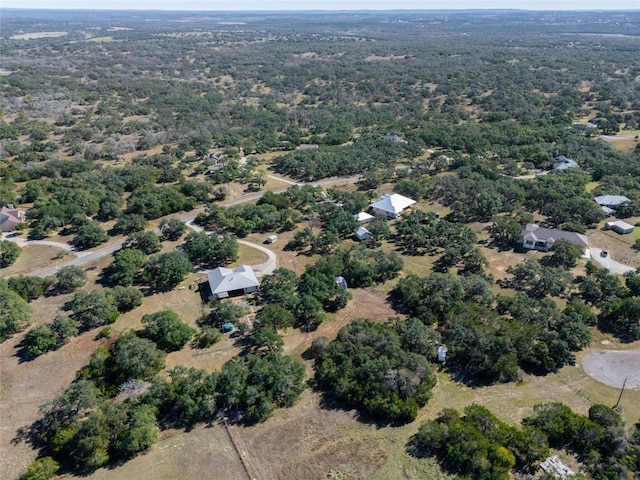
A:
(249, 256)
(34, 257)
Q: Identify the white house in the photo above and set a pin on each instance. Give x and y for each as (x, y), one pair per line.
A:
(392, 204)
(362, 233)
(225, 282)
(619, 227)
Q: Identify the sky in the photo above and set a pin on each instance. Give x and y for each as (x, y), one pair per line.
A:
(324, 4)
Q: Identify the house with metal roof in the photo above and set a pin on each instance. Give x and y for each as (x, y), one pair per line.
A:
(225, 282)
(611, 201)
(535, 237)
(392, 205)
(362, 233)
(563, 163)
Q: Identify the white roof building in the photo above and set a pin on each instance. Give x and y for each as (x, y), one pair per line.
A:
(392, 204)
(611, 200)
(362, 233)
(225, 281)
(619, 227)
(363, 217)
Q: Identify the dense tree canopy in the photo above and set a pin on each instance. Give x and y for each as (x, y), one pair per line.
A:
(367, 367)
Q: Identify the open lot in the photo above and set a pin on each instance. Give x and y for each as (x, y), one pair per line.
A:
(35, 257)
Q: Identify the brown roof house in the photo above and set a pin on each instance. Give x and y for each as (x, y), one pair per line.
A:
(10, 218)
(535, 237)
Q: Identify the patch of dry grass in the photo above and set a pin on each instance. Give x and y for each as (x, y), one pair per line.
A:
(204, 452)
(249, 256)
(35, 257)
(36, 35)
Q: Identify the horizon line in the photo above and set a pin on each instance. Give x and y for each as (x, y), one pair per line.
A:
(324, 10)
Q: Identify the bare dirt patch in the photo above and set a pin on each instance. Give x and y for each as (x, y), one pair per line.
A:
(613, 367)
(36, 35)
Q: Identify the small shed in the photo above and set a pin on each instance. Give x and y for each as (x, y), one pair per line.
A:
(341, 282)
(228, 327)
(271, 239)
(442, 353)
(363, 217)
(362, 233)
(619, 227)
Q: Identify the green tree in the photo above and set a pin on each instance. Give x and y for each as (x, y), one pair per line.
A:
(15, 312)
(172, 229)
(126, 267)
(223, 312)
(42, 468)
(167, 330)
(90, 235)
(309, 312)
(280, 288)
(69, 278)
(9, 253)
(146, 242)
(134, 357)
(212, 251)
(64, 328)
(138, 433)
(94, 309)
(30, 288)
(366, 367)
(130, 223)
(167, 269)
(266, 340)
(275, 316)
(208, 336)
(39, 340)
(126, 298)
(565, 254)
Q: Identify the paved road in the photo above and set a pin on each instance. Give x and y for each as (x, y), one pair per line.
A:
(188, 217)
(609, 263)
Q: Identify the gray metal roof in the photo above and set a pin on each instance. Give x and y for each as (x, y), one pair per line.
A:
(611, 200)
(224, 279)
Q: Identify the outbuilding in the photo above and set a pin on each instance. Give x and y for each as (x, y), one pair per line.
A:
(363, 217)
(362, 233)
(619, 227)
(271, 239)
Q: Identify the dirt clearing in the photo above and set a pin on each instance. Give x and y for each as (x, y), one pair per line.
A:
(611, 368)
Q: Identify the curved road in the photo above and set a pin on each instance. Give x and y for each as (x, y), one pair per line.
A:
(267, 267)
